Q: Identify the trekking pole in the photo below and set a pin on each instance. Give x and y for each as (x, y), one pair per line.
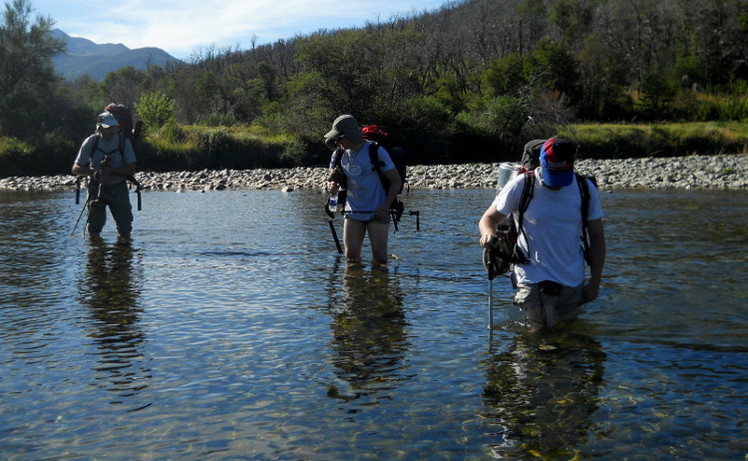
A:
(77, 201)
(77, 190)
(79, 219)
(138, 188)
(489, 269)
(417, 214)
(332, 227)
(489, 263)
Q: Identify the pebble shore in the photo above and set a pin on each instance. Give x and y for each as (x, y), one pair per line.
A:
(690, 172)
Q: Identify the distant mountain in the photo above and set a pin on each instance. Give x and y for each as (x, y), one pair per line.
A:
(86, 57)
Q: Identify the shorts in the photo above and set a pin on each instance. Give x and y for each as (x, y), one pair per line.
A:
(548, 306)
(374, 219)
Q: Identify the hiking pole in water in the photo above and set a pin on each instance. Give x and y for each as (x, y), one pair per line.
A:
(330, 221)
(79, 218)
(417, 214)
(77, 190)
(491, 264)
(78, 201)
(85, 206)
(138, 188)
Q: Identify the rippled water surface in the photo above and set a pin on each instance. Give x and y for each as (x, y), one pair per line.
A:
(230, 329)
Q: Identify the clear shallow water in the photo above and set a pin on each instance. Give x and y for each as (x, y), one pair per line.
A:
(230, 329)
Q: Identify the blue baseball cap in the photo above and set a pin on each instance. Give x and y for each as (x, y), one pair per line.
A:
(557, 162)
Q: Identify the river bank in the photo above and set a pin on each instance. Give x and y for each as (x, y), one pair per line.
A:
(688, 172)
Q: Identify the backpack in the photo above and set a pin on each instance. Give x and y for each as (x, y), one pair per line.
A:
(505, 251)
(379, 136)
(531, 154)
(124, 117)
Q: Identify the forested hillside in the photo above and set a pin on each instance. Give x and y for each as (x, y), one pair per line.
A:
(473, 79)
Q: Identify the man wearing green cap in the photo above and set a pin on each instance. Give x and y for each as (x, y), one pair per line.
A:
(367, 208)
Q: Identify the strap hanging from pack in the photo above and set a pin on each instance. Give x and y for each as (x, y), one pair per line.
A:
(528, 192)
(584, 191)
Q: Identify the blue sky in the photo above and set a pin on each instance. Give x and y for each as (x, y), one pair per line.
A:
(185, 27)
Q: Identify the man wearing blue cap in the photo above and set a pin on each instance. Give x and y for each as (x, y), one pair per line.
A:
(550, 282)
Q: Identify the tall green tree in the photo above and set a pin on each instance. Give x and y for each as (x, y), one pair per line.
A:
(26, 73)
(123, 85)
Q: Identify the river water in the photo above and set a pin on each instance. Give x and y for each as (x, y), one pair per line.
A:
(230, 329)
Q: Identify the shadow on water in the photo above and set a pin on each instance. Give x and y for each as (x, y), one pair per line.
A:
(110, 290)
(368, 332)
(542, 391)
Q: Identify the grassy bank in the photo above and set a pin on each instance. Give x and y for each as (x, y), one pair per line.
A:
(196, 147)
(653, 140)
(245, 147)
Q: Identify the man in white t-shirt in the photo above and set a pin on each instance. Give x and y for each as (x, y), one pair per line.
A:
(367, 207)
(108, 158)
(551, 284)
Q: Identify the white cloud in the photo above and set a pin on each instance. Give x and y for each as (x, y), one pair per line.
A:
(182, 27)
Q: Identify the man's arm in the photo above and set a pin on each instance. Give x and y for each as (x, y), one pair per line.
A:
(125, 171)
(597, 259)
(488, 224)
(81, 170)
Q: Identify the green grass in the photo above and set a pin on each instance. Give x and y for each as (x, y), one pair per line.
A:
(659, 140)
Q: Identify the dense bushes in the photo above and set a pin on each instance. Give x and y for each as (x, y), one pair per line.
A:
(472, 81)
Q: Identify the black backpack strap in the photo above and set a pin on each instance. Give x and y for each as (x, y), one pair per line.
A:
(94, 149)
(120, 148)
(336, 158)
(377, 164)
(528, 191)
(374, 157)
(584, 191)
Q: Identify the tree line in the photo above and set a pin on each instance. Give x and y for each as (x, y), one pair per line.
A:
(465, 82)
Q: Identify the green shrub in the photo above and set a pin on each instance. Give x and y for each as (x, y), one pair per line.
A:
(173, 133)
(155, 109)
(294, 154)
(218, 120)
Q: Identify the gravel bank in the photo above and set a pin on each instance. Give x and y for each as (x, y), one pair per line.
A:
(691, 172)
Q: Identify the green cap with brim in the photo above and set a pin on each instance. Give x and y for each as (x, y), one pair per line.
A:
(345, 125)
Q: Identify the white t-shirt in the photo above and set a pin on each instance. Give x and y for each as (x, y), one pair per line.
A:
(365, 189)
(118, 159)
(553, 225)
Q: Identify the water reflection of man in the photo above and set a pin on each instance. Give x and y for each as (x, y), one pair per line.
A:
(541, 393)
(110, 291)
(369, 333)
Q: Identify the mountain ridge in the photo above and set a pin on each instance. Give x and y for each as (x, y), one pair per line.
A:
(84, 57)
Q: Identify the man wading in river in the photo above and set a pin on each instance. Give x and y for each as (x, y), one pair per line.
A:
(551, 277)
(107, 157)
(367, 208)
